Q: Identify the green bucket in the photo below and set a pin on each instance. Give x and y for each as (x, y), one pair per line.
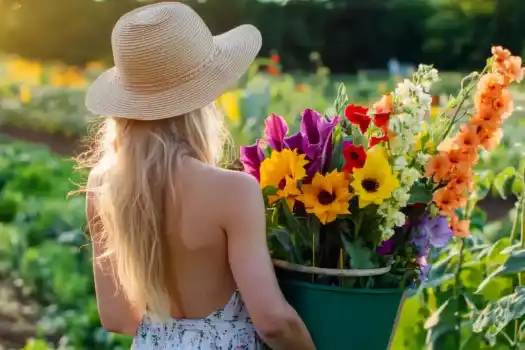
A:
(345, 318)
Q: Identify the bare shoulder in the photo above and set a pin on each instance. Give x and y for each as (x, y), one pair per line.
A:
(238, 185)
(238, 192)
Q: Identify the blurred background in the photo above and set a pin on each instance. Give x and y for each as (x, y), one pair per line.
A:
(51, 50)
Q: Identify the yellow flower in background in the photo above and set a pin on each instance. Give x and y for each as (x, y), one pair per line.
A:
(283, 170)
(24, 94)
(327, 196)
(229, 102)
(95, 66)
(67, 77)
(375, 181)
(24, 71)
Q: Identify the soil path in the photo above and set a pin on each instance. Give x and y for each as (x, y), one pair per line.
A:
(18, 317)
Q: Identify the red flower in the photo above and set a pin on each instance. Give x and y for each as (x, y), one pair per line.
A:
(355, 157)
(381, 121)
(357, 116)
(374, 140)
(275, 58)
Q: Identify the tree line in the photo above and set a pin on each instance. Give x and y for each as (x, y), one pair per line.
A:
(349, 35)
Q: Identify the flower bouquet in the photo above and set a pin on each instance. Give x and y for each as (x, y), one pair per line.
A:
(356, 201)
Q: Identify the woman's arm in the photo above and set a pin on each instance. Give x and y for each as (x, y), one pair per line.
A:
(275, 320)
(116, 314)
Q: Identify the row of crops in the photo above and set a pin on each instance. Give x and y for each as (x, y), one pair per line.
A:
(473, 293)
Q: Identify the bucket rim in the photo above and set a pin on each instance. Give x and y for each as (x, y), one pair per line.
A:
(338, 289)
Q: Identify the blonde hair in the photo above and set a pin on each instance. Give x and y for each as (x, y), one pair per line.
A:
(137, 165)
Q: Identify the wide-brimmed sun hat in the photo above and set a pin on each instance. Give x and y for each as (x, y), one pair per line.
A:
(167, 63)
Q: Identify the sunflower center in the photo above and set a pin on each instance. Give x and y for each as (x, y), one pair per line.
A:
(325, 197)
(282, 184)
(370, 185)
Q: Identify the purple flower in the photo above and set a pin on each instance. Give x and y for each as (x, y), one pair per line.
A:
(431, 233)
(423, 266)
(275, 130)
(251, 158)
(387, 247)
(317, 139)
(295, 142)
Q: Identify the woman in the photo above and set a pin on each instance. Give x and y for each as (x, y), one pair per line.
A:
(177, 240)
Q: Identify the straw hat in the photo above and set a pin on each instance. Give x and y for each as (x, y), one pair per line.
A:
(167, 63)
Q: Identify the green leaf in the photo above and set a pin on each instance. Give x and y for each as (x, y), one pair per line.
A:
(291, 221)
(283, 236)
(483, 180)
(419, 193)
(440, 325)
(337, 151)
(270, 191)
(360, 255)
(517, 185)
(496, 316)
(502, 180)
(496, 255)
(514, 264)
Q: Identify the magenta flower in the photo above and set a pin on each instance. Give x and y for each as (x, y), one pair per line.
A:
(316, 132)
(275, 130)
(251, 158)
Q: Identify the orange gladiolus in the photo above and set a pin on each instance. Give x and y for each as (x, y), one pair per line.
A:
(438, 168)
(493, 103)
(461, 228)
(446, 200)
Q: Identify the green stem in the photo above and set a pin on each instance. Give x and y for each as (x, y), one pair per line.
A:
(466, 93)
(514, 229)
(457, 288)
(519, 210)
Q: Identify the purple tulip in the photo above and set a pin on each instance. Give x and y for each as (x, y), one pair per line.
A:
(251, 158)
(317, 139)
(295, 142)
(275, 130)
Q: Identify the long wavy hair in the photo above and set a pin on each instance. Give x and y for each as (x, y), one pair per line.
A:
(137, 166)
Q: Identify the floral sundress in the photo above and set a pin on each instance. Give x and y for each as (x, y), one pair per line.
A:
(228, 328)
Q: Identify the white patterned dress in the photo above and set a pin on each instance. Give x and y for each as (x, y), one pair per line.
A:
(229, 328)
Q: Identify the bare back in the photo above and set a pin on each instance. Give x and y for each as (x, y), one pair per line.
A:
(202, 280)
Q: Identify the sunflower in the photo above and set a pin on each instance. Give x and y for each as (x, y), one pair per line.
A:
(374, 182)
(283, 169)
(327, 196)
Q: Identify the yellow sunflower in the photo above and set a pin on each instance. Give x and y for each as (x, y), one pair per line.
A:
(283, 170)
(327, 196)
(375, 181)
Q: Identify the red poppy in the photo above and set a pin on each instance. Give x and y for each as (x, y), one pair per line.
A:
(381, 121)
(355, 157)
(374, 140)
(357, 116)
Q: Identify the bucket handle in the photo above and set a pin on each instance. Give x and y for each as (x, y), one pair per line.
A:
(330, 272)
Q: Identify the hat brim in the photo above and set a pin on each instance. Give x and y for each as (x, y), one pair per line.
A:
(237, 49)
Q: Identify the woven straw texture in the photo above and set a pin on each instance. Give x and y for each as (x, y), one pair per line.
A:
(167, 63)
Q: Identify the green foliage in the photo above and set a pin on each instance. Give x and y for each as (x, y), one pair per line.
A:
(44, 246)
